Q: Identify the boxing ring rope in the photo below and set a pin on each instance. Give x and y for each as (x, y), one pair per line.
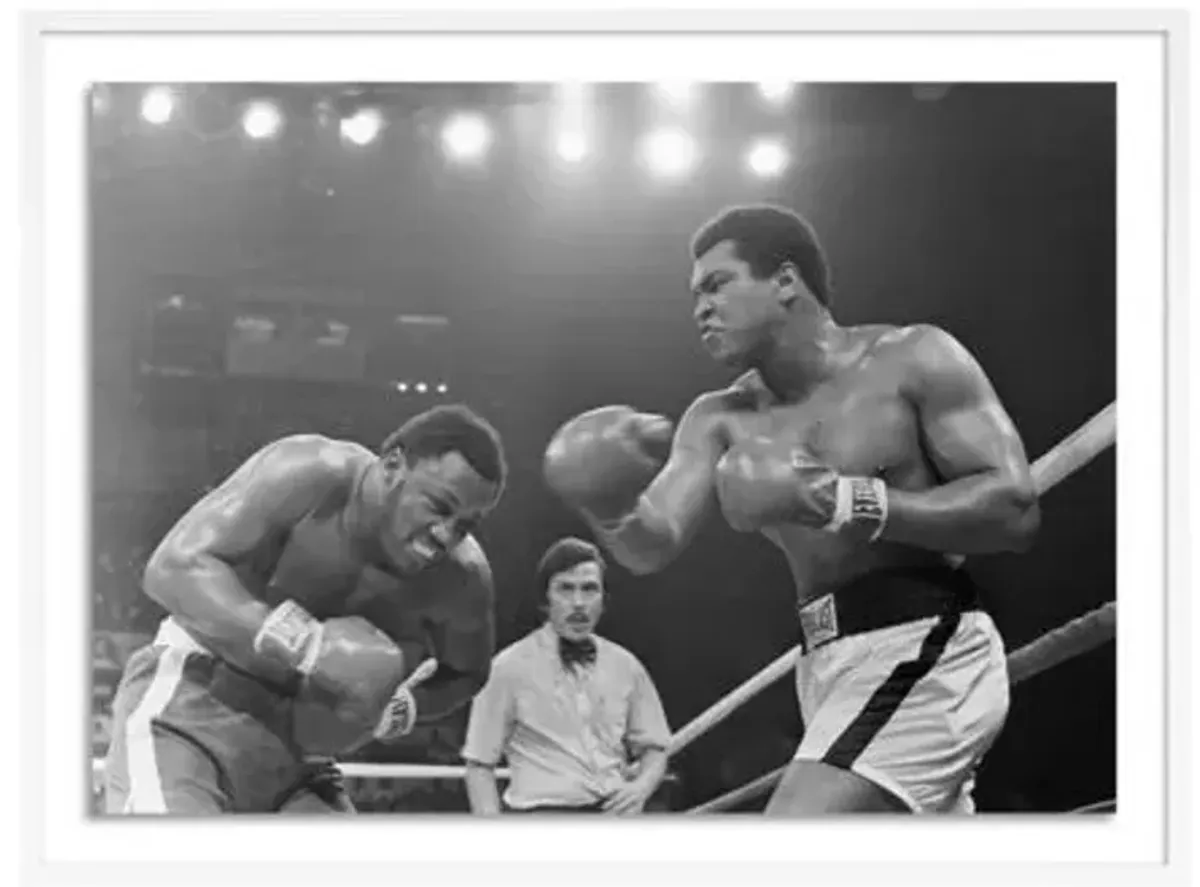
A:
(1056, 646)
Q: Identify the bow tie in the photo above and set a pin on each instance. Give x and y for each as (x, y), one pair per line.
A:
(576, 652)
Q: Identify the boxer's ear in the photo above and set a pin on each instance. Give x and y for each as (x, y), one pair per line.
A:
(788, 283)
(395, 465)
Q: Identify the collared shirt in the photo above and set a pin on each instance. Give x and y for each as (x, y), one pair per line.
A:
(568, 734)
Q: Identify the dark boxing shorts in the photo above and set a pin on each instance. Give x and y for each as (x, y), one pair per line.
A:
(194, 736)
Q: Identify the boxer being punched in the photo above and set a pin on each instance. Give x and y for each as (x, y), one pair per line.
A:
(869, 455)
(303, 592)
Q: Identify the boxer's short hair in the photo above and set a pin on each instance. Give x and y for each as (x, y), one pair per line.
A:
(563, 555)
(766, 236)
(453, 428)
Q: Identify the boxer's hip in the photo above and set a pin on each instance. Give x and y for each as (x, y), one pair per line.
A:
(242, 723)
(904, 680)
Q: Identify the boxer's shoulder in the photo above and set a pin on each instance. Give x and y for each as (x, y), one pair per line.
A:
(911, 342)
(316, 459)
(714, 405)
(922, 354)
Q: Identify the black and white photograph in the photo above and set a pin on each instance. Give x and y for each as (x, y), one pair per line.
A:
(484, 447)
(591, 448)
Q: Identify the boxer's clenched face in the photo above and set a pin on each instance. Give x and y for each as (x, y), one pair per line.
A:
(575, 600)
(737, 314)
(432, 505)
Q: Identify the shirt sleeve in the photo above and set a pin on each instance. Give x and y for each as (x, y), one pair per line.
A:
(648, 726)
(493, 713)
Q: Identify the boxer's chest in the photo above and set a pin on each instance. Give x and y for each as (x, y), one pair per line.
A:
(319, 570)
(857, 423)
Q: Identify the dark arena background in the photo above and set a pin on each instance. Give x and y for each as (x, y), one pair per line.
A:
(332, 258)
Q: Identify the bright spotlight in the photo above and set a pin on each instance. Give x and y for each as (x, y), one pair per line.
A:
(677, 94)
(158, 104)
(261, 120)
(572, 146)
(101, 98)
(466, 137)
(776, 92)
(402, 387)
(669, 152)
(443, 388)
(363, 127)
(421, 387)
(767, 158)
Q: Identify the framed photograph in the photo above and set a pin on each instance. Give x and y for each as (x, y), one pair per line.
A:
(703, 419)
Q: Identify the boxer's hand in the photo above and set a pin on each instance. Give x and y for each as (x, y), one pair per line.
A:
(762, 483)
(345, 660)
(601, 461)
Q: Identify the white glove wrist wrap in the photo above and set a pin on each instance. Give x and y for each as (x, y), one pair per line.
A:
(399, 716)
(860, 501)
(291, 635)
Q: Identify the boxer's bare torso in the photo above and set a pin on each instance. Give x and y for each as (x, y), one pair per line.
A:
(316, 564)
(859, 422)
(305, 548)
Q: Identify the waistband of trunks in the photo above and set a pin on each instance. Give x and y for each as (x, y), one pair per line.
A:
(883, 598)
(202, 664)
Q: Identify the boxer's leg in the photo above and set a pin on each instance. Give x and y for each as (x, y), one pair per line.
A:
(162, 774)
(813, 788)
(151, 769)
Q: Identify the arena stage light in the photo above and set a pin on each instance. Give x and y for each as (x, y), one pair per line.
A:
(421, 388)
(776, 92)
(571, 146)
(669, 152)
(443, 388)
(261, 120)
(158, 104)
(767, 158)
(363, 127)
(466, 137)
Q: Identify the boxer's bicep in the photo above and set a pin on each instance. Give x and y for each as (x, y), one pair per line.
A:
(462, 633)
(964, 426)
(470, 623)
(191, 572)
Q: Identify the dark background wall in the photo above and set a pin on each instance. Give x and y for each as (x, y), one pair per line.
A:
(989, 211)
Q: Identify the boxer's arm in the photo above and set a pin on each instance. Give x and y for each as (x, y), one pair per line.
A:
(191, 572)
(676, 502)
(987, 501)
(464, 634)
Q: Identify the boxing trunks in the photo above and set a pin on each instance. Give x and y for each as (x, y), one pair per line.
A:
(903, 680)
(193, 735)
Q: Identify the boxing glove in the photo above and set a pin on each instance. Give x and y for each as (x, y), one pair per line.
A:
(602, 460)
(348, 671)
(761, 483)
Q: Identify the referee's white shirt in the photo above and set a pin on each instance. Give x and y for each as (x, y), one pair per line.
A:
(567, 733)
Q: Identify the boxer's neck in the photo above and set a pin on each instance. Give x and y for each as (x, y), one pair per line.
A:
(365, 506)
(807, 351)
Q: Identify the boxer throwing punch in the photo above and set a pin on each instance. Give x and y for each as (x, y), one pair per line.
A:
(303, 592)
(868, 455)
